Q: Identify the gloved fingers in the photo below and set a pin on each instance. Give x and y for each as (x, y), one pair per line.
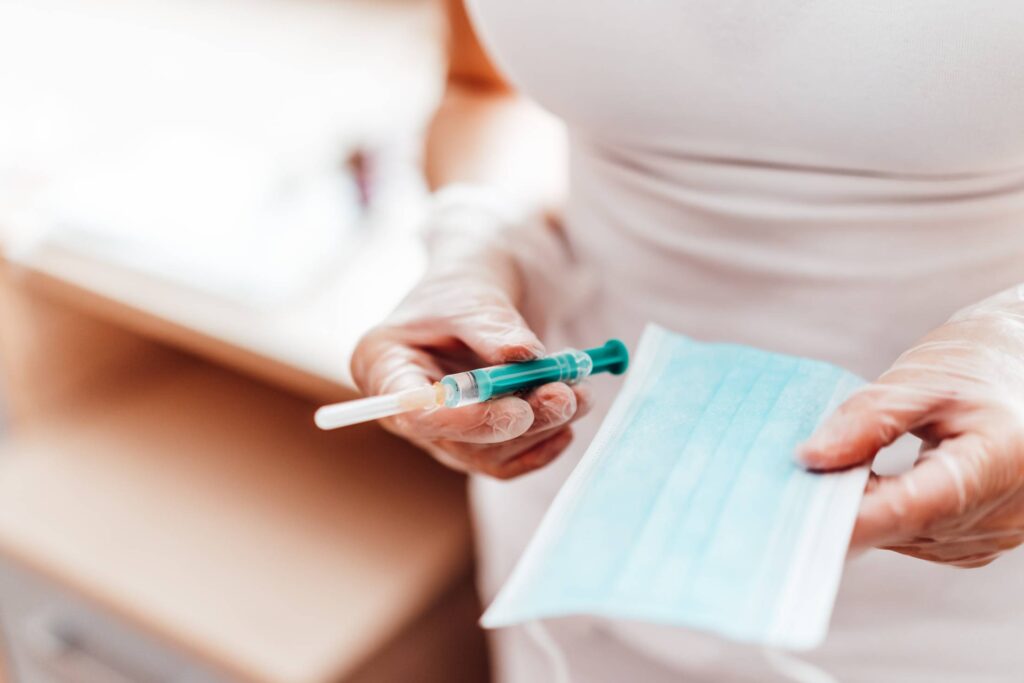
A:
(381, 366)
(872, 418)
(488, 458)
(492, 422)
(497, 333)
(480, 314)
(522, 456)
(954, 557)
(537, 457)
(556, 404)
(977, 562)
(967, 550)
(939, 490)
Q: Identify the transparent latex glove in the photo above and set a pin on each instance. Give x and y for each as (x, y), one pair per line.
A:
(459, 318)
(961, 390)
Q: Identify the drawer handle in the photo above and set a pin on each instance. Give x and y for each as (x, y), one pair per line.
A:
(67, 653)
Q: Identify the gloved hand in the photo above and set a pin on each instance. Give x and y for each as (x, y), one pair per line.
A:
(465, 314)
(961, 390)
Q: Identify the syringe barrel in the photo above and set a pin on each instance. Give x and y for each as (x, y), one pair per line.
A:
(569, 366)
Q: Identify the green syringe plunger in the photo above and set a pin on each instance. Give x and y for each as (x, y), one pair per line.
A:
(483, 384)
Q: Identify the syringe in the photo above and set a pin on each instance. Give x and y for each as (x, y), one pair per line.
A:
(475, 386)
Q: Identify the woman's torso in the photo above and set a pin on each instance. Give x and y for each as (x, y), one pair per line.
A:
(816, 177)
(776, 173)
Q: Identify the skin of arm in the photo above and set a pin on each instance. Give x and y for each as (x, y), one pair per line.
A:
(485, 133)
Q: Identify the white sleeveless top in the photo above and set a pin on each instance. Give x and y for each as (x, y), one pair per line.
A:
(818, 177)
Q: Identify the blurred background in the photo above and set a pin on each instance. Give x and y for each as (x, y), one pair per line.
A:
(203, 205)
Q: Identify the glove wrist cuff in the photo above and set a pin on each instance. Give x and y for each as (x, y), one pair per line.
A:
(477, 213)
(1009, 300)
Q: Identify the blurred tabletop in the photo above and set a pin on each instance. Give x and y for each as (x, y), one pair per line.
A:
(290, 87)
(200, 506)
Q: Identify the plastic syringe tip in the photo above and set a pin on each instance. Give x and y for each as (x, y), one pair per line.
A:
(349, 413)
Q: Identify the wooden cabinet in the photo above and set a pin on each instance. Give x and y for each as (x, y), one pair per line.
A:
(167, 519)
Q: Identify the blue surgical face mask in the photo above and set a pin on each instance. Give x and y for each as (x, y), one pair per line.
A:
(689, 509)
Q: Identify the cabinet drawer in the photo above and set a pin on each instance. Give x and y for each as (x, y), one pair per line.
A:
(55, 637)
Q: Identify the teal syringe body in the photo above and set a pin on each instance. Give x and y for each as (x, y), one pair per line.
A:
(474, 386)
(569, 366)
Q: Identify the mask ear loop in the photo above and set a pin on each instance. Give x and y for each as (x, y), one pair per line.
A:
(796, 669)
(540, 636)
